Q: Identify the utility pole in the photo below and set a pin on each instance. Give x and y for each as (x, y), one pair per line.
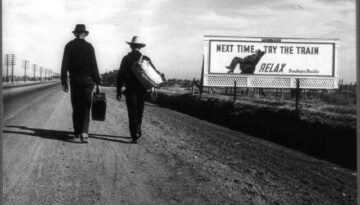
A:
(12, 62)
(34, 67)
(25, 67)
(12, 73)
(7, 68)
(41, 68)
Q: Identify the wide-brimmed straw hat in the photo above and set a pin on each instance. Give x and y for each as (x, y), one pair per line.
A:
(136, 42)
(80, 28)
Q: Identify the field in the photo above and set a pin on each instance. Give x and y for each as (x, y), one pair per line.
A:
(324, 127)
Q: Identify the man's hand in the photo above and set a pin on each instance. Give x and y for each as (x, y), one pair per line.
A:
(118, 96)
(163, 77)
(65, 88)
(99, 82)
(153, 94)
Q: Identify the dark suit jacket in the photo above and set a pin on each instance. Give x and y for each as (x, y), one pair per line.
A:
(80, 61)
(126, 76)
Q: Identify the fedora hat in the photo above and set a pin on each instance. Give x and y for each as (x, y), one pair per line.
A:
(136, 42)
(80, 28)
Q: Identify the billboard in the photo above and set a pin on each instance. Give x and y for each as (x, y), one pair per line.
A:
(270, 59)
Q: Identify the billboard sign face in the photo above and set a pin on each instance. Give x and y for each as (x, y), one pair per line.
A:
(270, 58)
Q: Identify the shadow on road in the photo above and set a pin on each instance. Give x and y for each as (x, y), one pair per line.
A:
(62, 135)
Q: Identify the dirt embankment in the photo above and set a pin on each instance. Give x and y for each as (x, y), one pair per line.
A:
(325, 136)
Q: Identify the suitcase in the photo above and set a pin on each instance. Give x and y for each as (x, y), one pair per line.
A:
(98, 108)
(146, 74)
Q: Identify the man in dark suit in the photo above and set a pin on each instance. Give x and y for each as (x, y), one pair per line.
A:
(80, 62)
(135, 92)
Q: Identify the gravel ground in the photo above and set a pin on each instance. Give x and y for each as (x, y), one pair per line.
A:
(179, 160)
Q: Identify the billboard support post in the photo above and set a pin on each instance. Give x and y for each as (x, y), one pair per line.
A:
(202, 78)
(297, 95)
(234, 91)
(192, 87)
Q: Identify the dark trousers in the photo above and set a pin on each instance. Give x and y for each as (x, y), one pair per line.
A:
(81, 103)
(135, 105)
(234, 62)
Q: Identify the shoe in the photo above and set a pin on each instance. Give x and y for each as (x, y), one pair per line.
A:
(134, 140)
(76, 135)
(230, 69)
(84, 137)
(138, 135)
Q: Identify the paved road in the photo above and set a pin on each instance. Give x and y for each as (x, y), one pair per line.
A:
(179, 160)
(24, 84)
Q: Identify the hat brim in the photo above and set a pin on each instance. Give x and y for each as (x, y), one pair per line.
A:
(78, 32)
(137, 44)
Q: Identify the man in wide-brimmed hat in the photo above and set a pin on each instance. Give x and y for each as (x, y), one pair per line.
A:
(80, 62)
(135, 91)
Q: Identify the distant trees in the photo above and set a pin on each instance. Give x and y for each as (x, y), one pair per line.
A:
(182, 83)
(109, 78)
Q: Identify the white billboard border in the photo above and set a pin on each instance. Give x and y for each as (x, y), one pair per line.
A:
(312, 81)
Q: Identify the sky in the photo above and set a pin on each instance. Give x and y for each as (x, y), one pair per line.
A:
(173, 30)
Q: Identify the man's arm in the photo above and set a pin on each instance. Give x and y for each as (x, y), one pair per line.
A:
(65, 66)
(251, 58)
(162, 74)
(94, 67)
(120, 77)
